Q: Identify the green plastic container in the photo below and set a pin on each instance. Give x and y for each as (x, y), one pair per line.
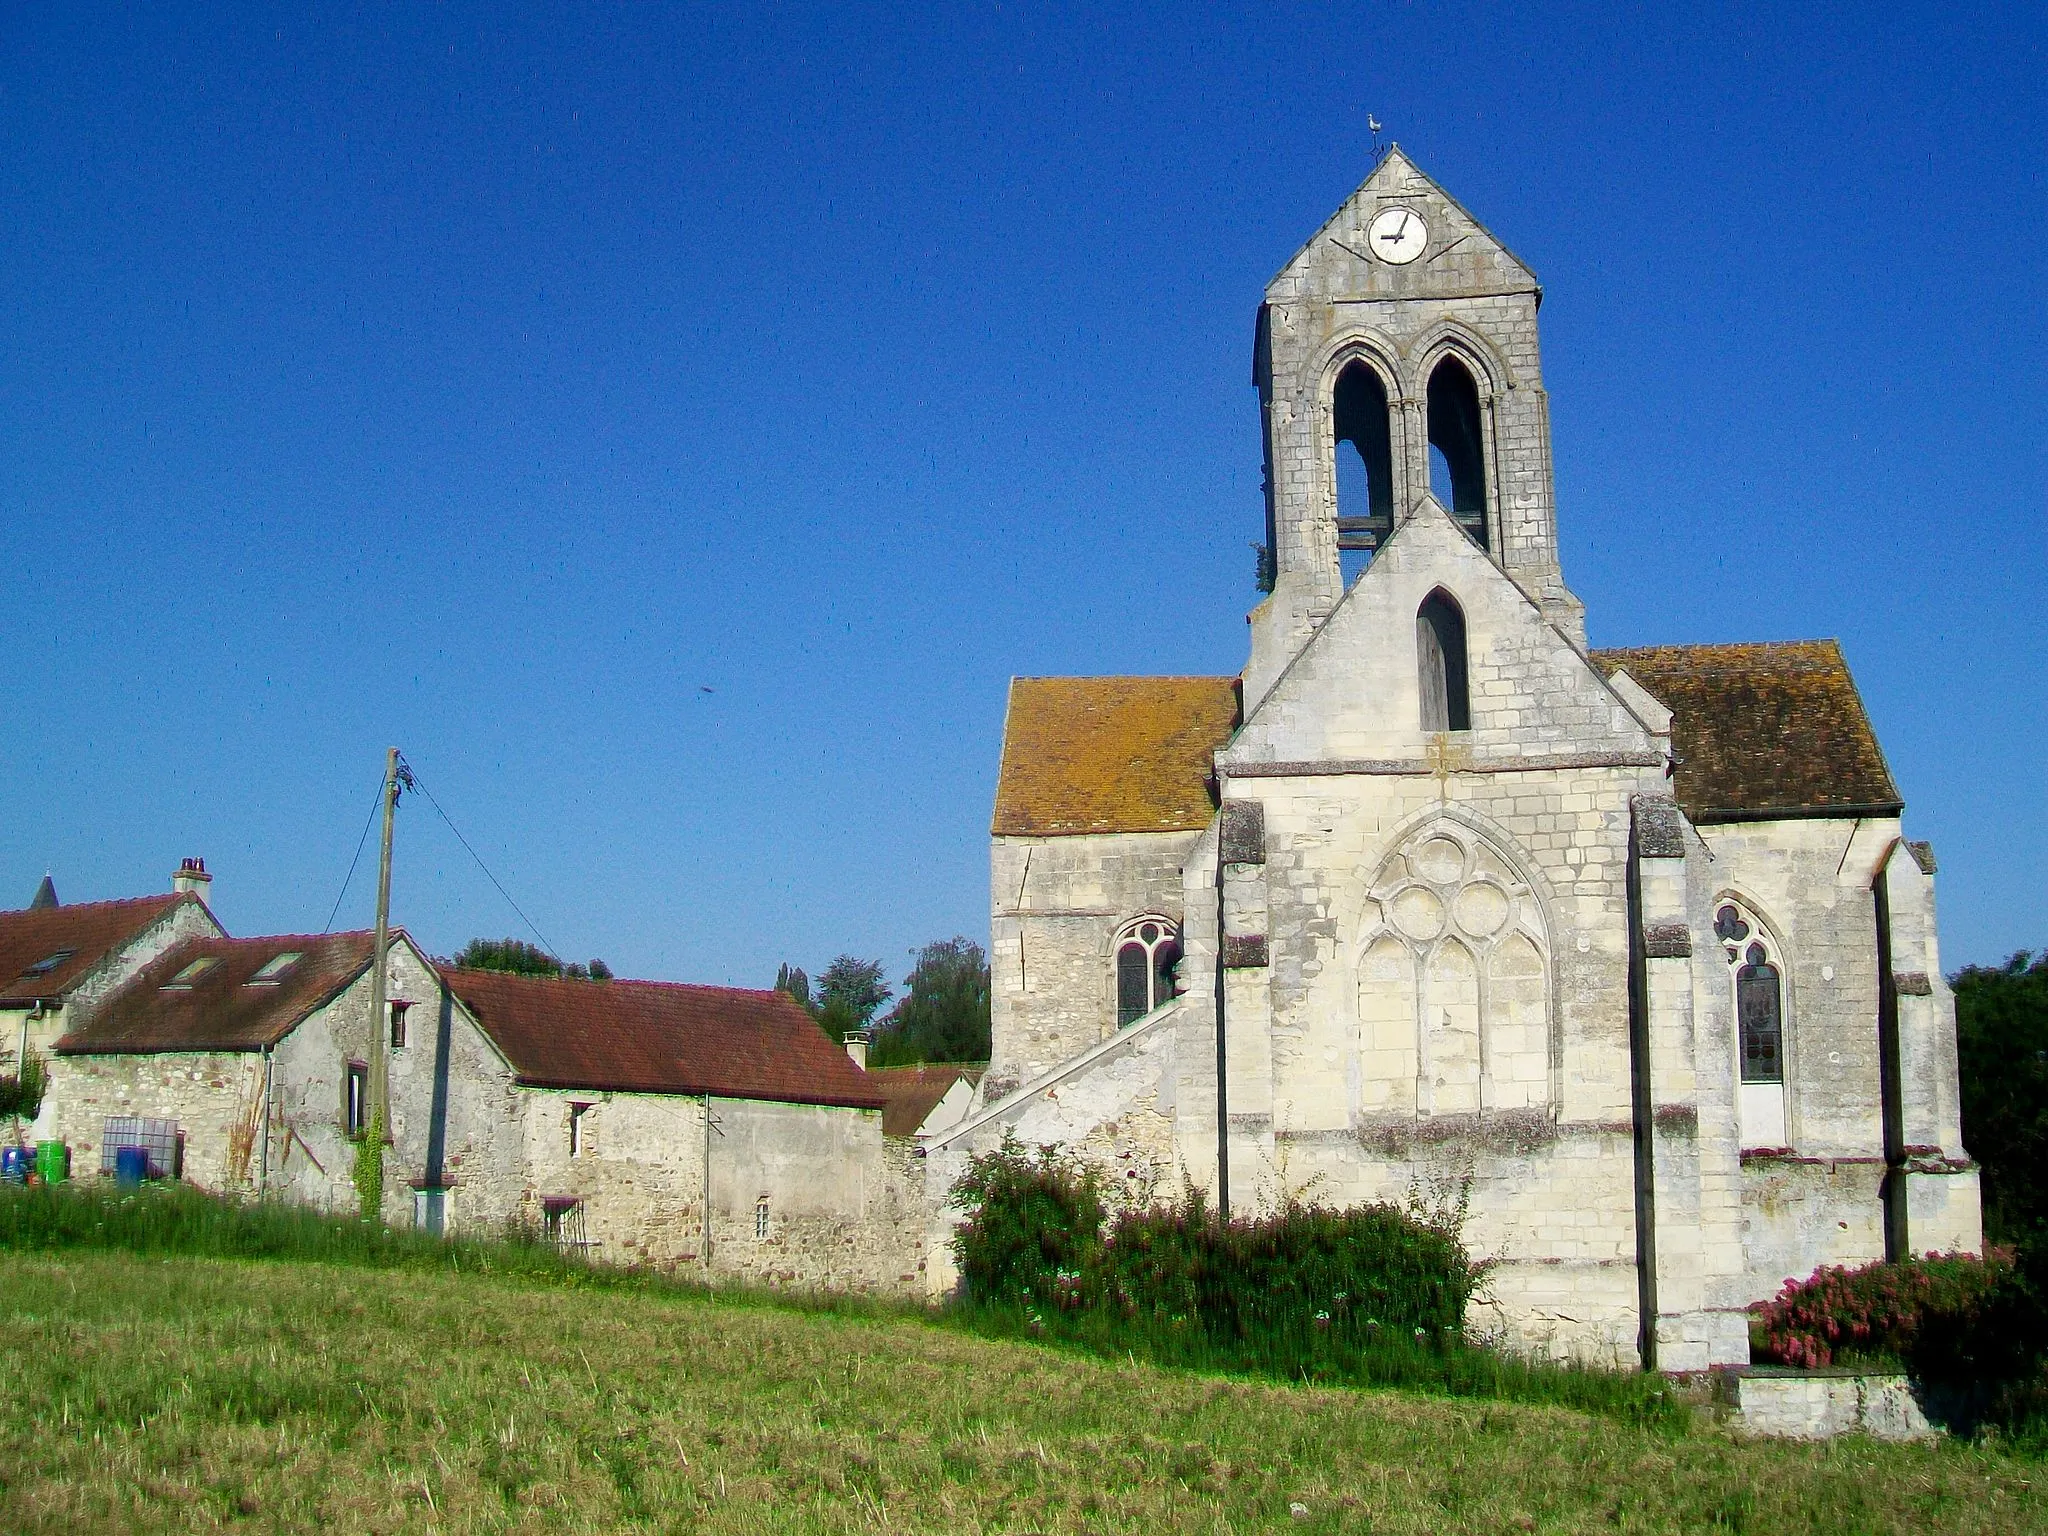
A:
(53, 1161)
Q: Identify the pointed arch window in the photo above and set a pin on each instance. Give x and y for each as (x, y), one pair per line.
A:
(1756, 974)
(1440, 662)
(1365, 459)
(1457, 457)
(1147, 949)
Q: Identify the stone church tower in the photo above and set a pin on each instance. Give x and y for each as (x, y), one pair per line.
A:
(1624, 950)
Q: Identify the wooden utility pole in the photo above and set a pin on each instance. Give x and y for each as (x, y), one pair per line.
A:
(380, 1077)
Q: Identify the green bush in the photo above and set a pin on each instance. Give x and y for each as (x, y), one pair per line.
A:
(1369, 1296)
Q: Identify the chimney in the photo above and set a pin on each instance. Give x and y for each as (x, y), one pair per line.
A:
(857, 1048)
(192, 878)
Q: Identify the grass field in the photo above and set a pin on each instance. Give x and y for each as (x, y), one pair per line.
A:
(150, 1393)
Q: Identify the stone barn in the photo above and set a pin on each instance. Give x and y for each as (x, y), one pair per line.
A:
(1624, 950)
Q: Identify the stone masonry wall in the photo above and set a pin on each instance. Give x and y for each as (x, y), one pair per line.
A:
(1055, 907)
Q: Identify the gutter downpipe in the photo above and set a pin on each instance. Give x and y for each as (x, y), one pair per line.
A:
(1222, 1047)
(1641, 1113)
(706, 1244)
(263, 1157)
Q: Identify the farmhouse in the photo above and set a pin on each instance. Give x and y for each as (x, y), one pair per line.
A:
(608, 1116)
(1624, 952)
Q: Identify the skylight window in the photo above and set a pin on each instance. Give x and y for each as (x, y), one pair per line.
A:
(191, 973)
(49, 963)
(276, 966)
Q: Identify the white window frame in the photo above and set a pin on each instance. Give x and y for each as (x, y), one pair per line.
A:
(1158, 990)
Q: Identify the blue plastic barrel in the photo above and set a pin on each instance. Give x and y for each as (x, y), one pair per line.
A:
(131, 1165)
(13, 1165)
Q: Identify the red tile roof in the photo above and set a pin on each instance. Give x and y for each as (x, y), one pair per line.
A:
(221, 1009)
(90, 930)
(661, 1037)
(914, 1092)
(1111, 754)
(1764, 731)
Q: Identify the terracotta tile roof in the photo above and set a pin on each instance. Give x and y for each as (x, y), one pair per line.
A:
(912, 1093)
(222, 1008)
(1764, 731)
(661, 1037)
(1111, 754)
(91, 931)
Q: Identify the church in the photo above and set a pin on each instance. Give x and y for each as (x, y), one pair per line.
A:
(1619, 957)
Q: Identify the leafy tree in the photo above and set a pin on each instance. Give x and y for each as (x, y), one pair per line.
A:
(792, 980)
(2002, 1051)
(944, 1012)
(849, 995)
(520, 958)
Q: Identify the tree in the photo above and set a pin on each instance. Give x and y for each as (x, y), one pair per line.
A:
(519, 958)
(849, 994)
(944, 1012)
(2002, 1054)
(792, 980)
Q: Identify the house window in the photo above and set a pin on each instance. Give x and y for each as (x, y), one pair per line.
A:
(579, 1130)
(430, 1211)
(1756, 978)
(1440, 664)
(398, 1011)
(761, 1220)
(357, 1098)
(49, 963)
(562, 1222)
(275, 967)
(1147, 949)
(190, 973)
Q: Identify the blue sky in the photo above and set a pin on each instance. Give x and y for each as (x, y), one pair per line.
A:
(494, 383)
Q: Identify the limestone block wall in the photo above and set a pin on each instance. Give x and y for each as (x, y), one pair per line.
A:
(1801, 1213)
(637, 1170)
(216, 1098)
(1056, 904)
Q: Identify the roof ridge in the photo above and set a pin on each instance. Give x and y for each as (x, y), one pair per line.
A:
(615, 981)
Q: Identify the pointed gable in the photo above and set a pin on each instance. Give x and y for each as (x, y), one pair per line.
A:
(1354, 691)
(1462, 257)
(45, 951)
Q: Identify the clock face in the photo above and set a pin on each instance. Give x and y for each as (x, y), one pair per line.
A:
(1397, 236)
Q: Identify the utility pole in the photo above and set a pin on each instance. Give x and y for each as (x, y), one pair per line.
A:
(380, 1078)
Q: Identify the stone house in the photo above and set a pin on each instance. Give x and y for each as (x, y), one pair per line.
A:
(1624, 951)
(606, 1115)
(57, 962)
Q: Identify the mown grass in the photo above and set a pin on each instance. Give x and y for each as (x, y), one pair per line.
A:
(177, 1220)
(172, 1393)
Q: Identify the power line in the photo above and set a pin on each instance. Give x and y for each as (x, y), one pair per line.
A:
(357, 859)
(412, 777)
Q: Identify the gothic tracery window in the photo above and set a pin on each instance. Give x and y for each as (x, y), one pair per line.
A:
(1147, 949)
(1759, 996)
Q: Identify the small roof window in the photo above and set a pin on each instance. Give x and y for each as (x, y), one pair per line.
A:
(276, 966)
(49, 963)
(191, 973)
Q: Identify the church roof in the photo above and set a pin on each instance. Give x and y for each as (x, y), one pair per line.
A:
(1764, 731)
(1111, 754)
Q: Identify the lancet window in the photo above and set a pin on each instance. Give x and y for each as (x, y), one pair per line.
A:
(1147, 950)
(1457, 452)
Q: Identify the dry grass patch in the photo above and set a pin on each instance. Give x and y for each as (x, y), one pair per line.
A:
(186, 1394)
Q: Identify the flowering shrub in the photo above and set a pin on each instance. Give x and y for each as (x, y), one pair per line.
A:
(1878, 1314)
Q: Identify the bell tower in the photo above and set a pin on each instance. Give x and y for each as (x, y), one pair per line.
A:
(1396, 358)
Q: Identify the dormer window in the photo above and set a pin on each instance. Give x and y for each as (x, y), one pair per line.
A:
(275, 967)
(190, 973)
(49, 962)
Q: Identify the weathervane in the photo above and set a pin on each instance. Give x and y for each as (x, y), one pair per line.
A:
(1378, 149)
